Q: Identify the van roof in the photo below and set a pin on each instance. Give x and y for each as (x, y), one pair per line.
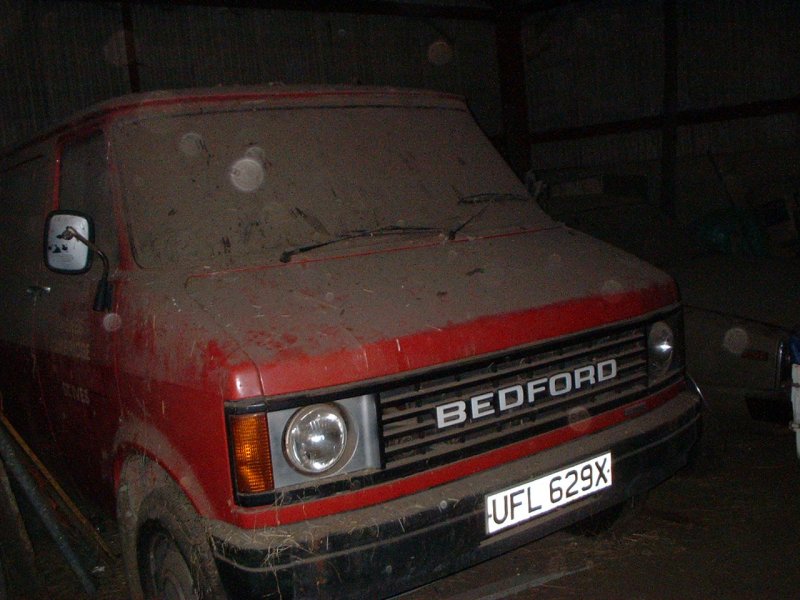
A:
(274, 94)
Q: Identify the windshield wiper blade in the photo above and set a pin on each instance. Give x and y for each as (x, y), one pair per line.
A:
(388, 230)
(492, 197)
(486, 199)
(286, 255)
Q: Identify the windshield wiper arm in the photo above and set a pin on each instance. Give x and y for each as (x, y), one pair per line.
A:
(286, 255)
(486, 199)
(451, 235)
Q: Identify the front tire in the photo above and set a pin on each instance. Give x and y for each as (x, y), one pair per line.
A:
(174, 557)
(164, 572)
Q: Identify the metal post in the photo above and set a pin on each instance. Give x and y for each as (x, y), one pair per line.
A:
(16, 552)
(795, 425)
(513, 95)
(3, 589)
(669, 129)
(44, 513)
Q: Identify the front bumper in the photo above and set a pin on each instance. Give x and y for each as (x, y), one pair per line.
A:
(394, 546)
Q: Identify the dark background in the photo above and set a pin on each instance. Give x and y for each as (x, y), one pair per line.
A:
(690, 105)
(660, 89)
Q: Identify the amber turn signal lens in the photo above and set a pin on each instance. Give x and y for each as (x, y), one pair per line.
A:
(253, 461)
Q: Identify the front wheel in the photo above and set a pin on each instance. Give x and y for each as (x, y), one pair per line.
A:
(174, 559)
(164, 572)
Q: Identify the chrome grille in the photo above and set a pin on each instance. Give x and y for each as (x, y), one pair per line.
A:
(412, 439)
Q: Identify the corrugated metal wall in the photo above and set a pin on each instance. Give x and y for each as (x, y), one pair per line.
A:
(592, 62)
(601, 62)
(191, 46)
(587, 63)
(595, 62)
(60, 57)
(736, 51)
(55, 58)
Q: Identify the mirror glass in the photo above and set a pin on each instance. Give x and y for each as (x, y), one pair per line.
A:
(65, 253)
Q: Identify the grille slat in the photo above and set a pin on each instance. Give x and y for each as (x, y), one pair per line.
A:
(408, 413)
(492, 439)
(395, 414)
(395, 397)
(524, 413)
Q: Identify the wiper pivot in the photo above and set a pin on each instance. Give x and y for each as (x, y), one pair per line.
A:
(485, 198)
(451, 235)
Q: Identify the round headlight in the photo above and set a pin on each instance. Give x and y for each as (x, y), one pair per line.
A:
(315, 439)
(660, 347)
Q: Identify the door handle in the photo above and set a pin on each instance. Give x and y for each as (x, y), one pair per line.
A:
(37, 290)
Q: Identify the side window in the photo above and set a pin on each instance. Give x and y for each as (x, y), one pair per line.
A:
(23, 192)
(85, 187)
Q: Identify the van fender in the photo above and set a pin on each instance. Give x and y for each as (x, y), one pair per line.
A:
(136, 476)
(146, 461)
(139, 443)
(150, 499)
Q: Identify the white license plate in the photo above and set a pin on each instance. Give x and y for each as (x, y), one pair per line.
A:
(529, 500)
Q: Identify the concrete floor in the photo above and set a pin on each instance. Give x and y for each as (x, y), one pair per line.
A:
(730, 528)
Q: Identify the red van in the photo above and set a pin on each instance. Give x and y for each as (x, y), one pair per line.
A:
(319, 342)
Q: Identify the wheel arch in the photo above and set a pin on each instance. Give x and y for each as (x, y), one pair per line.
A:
(145, 463)
(149, 499)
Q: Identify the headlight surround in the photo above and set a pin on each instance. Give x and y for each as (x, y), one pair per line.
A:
(661, 349)
(316, 439)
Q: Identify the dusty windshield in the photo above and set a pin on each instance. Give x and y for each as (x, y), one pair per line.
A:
(243, 186)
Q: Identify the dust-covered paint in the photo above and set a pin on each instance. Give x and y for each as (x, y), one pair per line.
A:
(278, 247)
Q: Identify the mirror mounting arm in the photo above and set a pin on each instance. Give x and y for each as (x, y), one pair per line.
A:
(104, 295)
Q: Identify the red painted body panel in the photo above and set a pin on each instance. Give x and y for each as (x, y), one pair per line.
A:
(336, 320)
(183, 351)
(185, 340)
(175, 370)
(284, 515)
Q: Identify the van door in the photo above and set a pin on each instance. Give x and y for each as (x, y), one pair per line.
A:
(74, 342)
(24, 187)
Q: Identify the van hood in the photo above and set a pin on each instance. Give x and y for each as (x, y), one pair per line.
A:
(327, 320)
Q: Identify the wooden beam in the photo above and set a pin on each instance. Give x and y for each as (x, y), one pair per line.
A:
(669, 129)
(130, 48)
(513, 95)
(529, 7)
(367, 7)
(684, 118)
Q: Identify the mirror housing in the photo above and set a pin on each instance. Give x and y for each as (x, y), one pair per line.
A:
(69, 247)
(67, 254)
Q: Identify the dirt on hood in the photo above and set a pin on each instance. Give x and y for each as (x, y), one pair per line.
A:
(330, 318)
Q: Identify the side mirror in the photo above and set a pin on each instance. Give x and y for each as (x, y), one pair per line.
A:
(69, 247)
(64, 252)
